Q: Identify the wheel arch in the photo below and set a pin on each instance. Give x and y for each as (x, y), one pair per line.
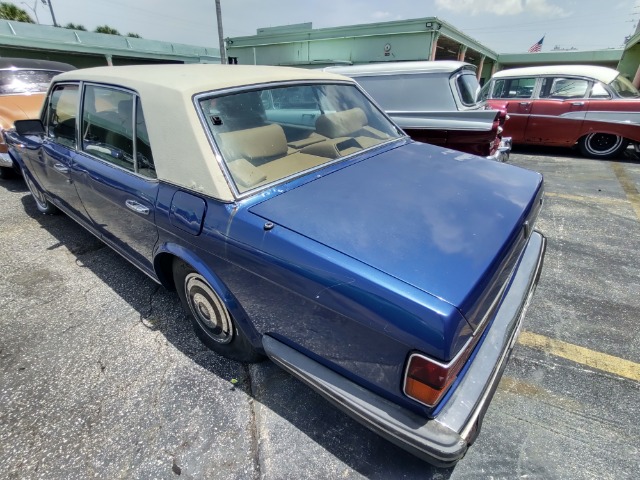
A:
(163, 266)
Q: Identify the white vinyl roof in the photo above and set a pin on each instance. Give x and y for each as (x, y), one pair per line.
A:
(181, 150)
(602, 74)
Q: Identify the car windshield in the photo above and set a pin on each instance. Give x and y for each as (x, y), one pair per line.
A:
(624, 88)
(271, 134)
(25, 81)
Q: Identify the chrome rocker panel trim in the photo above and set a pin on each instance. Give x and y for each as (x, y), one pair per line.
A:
(443, 440)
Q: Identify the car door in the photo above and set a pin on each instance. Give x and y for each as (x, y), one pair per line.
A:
(557, 115)
(518, 95)
(114, 172)
(50, 163)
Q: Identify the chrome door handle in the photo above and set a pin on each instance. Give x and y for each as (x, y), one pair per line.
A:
(577, 104)
(61, 167)
(524, 104)
(137, 207)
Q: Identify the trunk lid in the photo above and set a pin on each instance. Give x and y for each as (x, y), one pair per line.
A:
(447, 223)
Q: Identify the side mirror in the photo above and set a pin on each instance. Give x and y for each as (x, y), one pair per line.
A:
(29, 127)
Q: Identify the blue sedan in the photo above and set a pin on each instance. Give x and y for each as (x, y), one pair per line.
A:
(296, 220)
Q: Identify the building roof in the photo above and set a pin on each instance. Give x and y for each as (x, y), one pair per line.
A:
(602, 74)
(444, 66)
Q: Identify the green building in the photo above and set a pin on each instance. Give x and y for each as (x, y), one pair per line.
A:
(417, 39)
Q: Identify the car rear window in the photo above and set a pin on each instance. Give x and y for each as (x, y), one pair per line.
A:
(624, 88)
(25, 81)
(468, 88)
(267, 135)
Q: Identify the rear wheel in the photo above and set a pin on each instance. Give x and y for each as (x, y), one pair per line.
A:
(602, 145)
(209, 316)
(44, 205)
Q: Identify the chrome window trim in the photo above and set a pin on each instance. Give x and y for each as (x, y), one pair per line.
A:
(261, 86)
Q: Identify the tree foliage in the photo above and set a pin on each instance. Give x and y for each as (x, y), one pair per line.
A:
(133, 35)
(107, 29)
(8, 11)
(75, 26)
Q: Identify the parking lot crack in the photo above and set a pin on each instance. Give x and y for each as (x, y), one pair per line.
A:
(253, 426)
(145, 315)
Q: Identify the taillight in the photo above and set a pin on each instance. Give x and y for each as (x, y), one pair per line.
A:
(427, 380)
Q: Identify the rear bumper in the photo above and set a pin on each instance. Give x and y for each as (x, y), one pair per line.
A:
(442, 440)
(503, 151)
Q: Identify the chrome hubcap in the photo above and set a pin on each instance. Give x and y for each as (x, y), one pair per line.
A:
(603, 143)
(208, 309)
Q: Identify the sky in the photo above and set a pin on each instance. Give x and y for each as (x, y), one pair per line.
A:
(505, 26)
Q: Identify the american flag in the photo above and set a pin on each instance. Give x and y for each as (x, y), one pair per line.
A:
(536, 47)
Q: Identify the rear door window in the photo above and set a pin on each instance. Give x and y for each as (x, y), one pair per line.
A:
(564, 88)
(109, 132)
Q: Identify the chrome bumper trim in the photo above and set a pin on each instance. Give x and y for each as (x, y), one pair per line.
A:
(444, 439)
(503, 151)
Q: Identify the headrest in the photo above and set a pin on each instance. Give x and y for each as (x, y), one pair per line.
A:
(254, 143)
(341, 124)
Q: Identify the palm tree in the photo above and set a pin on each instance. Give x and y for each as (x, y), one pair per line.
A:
(8, 11)
(74, 26)
(107, 29)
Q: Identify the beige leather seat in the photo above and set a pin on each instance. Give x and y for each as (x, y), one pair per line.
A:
(346, 132)
(257, 156)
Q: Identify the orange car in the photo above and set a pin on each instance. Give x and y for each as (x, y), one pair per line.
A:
(23, 84)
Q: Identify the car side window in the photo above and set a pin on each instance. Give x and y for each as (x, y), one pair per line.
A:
(514, 87)
(60, 120)
(564, 88)
(598, 91)
(107, 125)
(108, 129)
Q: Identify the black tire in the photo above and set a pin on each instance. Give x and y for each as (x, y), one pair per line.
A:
(44, 205)
(210, 318)
(602, 145)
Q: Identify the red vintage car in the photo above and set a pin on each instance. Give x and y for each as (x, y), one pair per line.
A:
(592, 107)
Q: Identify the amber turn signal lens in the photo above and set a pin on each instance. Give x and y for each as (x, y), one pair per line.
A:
(427, 380)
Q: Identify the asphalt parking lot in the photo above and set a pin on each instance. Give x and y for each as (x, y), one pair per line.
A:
(102, 376)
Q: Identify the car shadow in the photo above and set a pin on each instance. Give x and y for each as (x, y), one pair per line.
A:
(273, 389)
(14, 184)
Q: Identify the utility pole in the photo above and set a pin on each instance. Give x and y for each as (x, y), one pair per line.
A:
(223, 50)
(53, 17)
